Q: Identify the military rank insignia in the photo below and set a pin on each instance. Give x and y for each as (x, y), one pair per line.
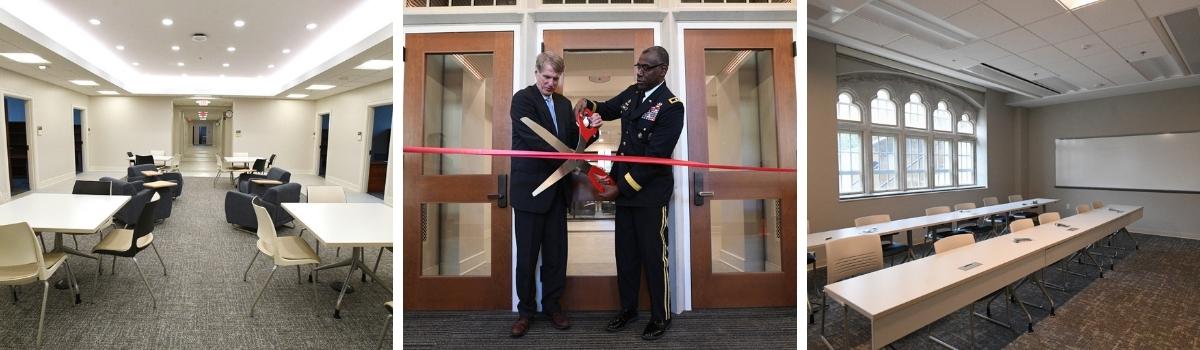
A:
(652, 114)
(625, 106)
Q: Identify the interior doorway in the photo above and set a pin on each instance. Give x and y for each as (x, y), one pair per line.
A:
(77, 122)
(323, 145)
(381, 143)
(16, 116)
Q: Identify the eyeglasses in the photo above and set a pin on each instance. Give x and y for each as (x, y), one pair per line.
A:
(646, 67)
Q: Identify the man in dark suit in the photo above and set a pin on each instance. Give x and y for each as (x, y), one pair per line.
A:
(651, 121)
(541, 220)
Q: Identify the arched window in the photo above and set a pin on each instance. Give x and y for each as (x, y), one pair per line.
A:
(965, 126)
(942, 118)
(883, 110)
(846, 109)
(914, 112)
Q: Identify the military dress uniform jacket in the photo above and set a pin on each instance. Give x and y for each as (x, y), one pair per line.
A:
(650, 128)
(528, 173)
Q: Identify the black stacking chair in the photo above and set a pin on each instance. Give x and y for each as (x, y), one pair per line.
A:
(101, 188)
(270, 161)
(130, 154)
(128, 243)
(140, 159)
(260, 166)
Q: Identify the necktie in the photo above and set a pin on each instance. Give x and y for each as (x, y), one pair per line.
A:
(553, 116)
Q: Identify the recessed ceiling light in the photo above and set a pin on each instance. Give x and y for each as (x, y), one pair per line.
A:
(239, 23)
(24, 57)
(320, 87)
(183, 75)
(179, 64)
(222, 75)
(269, 66)
(297, 96)
(168, 22)
(174, 47)
(311, 26)
(231, 49)
(1074, 4)
(94, 21)
(226, 65)
(135, 64)
(84, 82)
(375, 65)
(286, 51)
(121, 47)
(108, 92)
(42, 67)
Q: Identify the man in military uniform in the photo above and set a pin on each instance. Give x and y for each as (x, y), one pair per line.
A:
(651, 120)
(541, 220)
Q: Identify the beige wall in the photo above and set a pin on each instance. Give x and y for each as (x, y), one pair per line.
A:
(826, 211)
(52, 153)
(349, 115)
(1172, 214)
(127, 124)
(280, 127)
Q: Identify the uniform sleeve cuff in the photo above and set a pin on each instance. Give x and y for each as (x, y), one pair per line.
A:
(634, 184)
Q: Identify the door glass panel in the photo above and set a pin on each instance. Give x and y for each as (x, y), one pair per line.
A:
(740, 86)
(456, 239)
(458, 111)
(596, 75)
(746, 235)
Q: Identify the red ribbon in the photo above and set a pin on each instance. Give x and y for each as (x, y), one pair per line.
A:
(585, 156)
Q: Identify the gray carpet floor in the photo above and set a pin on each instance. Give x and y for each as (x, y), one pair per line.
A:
(765, 328)
(202, 302)
(1147, 302)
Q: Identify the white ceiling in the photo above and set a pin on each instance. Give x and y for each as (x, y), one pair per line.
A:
(258, 66)
(1091, 47)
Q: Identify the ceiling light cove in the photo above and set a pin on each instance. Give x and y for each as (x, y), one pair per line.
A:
(297, 95)
(108, 92)
(320, 87)
(375, 65)
(25, 57)
(84, 83)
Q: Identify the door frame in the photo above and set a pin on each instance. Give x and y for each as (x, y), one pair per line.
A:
(317, 143)
(367, 140)
(31, 160)
(595, 292)
(83, 133)
(700, 264)
(497, 288)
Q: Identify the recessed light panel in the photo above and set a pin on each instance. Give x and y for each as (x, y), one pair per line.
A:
(108, 92)
(297, 96)
(375, 65)
(320, 87)
(168, 22)
(1074, 4)
(25, 57)
(84, 83)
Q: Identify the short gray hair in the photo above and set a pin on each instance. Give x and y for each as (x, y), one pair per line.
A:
(548, 57)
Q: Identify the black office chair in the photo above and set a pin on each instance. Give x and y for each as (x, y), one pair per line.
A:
(260, 166)
(101, 188)
(130, 154)
(270, 161)
(140, 159)
(128, 243)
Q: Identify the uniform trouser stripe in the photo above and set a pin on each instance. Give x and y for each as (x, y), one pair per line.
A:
(666, 267)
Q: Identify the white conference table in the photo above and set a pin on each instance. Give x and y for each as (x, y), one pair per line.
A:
(242, 159)
(903, 298)
(351, 225)
(816, 241)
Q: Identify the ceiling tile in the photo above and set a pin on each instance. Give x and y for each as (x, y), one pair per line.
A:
(1129, 35)
(1045, 55)
(1109, 14)
(1085, 46)
(1059, 28)
(1085, 78)
(1122, 74)
(915, 47)
(1156, 8)
(1034, 73)
(1027, 11)
(866, 30)
(953, 60)
(982, 51)
(942, 8)
(1064, 66)
(1103, 60)
(1017, 40)
(1011, 63)
(982, 21)
(1149, 49)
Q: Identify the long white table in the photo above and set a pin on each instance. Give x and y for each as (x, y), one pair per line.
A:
(159, 158)
(902, 299)
(351, 225)
(816, 241)
(242, 159)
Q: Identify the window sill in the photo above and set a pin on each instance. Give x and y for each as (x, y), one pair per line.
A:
(861, 197)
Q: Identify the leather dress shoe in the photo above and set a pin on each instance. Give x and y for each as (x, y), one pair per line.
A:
(559, 320)
(655, 329)
(520, 327)
(623, 318)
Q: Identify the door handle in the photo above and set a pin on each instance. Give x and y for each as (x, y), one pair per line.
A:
(501, 197)
(698, 186)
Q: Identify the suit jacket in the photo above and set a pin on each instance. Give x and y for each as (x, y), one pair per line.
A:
(529, 173)
(650, 129)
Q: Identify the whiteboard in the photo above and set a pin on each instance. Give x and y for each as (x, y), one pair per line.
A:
(1157, 162)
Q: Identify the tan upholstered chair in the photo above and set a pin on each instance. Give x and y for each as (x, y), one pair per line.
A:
(952, 242)
(23, 262)
(1097, 204)
(845, 258)
(1047, 218)
(1082, 208)
(387, 326)
(284, 251)
(325, 194)
(1017, 226)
